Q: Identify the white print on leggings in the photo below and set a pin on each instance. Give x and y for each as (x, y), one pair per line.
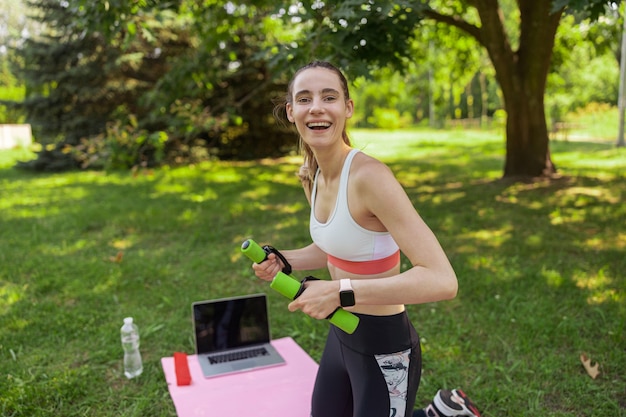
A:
(395, 369)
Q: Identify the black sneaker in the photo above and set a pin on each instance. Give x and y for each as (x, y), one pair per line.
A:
(455, 404)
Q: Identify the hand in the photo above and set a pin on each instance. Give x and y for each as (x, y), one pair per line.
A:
(268, 269)
(319, 300)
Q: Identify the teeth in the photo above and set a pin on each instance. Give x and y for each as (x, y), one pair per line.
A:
(318, 124)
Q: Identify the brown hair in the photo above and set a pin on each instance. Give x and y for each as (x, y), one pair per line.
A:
(309, 168)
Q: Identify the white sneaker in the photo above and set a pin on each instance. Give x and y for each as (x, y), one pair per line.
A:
(454, 404)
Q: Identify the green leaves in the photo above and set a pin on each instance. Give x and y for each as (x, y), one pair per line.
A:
(589, 8)
(355, 35)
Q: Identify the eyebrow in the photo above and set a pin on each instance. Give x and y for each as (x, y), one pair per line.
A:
(324, 91)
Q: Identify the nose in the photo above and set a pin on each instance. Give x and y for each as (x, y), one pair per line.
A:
(316, 106)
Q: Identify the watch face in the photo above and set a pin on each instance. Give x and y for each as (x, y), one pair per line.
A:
(346, 298)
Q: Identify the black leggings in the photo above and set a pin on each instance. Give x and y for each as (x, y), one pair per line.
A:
(374, 372)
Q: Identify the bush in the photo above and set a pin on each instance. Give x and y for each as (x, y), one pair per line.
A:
(389, 119)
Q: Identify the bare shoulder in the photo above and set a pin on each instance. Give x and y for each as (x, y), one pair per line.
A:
(380, 195)
(368, 171)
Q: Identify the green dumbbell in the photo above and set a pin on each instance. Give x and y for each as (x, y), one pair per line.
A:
(289, 286)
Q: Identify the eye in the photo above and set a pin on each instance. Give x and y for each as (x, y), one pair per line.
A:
(330, 98)
(303, 100)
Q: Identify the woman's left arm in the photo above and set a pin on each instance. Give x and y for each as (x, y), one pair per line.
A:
(431, 277)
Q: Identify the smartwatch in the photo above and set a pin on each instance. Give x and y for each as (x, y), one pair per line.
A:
(346, 294)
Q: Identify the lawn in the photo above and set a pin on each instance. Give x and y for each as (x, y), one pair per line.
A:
(540, 267)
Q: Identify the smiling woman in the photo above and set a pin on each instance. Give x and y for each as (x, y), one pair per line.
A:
(360, 220)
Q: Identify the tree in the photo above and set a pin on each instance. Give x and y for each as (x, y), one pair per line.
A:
(67, 103)
(521, 58)
(238, 40)
(133, 81)
(252, 45)
(522, 75)
(595, 44)
(454, 61)
(78, 81)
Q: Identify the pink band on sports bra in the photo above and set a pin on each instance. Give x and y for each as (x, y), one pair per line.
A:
(366, 267)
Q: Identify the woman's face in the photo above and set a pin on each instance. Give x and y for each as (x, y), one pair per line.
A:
(319, 108)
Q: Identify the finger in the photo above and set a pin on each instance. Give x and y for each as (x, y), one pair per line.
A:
(266, 266)
(293, 306)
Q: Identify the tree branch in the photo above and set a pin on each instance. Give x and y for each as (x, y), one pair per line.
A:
(455, 21)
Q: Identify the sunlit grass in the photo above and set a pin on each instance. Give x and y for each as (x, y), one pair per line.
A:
(540, 268)
(597, 122)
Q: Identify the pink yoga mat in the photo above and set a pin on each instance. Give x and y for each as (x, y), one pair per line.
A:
(280, 391)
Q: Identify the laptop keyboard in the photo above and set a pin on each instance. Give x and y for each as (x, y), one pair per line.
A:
(236, 356)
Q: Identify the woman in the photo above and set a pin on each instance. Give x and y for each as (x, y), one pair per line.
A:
(360, 220)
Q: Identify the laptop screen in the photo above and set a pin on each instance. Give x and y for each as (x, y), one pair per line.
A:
(230, 323)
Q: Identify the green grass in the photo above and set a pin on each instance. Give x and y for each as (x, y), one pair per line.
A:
(594, 122)
(540, 267)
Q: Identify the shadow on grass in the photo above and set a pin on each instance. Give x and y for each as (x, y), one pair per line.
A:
(540, 268)
(570, 227)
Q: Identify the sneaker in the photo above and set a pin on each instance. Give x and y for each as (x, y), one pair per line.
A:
(429, 411)
(454, 404)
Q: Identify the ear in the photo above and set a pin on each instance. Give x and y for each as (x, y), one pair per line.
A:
(349, 108)
(289, 111)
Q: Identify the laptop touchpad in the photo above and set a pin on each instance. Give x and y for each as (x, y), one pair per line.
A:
(242, 365)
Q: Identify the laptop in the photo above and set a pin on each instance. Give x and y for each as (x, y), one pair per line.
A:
(233, 335)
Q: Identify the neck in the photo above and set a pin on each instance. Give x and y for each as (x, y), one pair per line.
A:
(330, 161)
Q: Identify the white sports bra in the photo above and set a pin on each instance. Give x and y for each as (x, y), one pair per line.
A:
(343, 238)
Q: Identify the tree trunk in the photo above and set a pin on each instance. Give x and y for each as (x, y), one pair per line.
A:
(528, 149)
(527, 146)
(522, 76)
(484, 99)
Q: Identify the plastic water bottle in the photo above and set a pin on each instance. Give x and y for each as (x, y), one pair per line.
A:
(130, 342)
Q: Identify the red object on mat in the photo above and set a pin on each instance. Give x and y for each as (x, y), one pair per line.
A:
(183, 377)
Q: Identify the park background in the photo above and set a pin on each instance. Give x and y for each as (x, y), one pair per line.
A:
(156, 154)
